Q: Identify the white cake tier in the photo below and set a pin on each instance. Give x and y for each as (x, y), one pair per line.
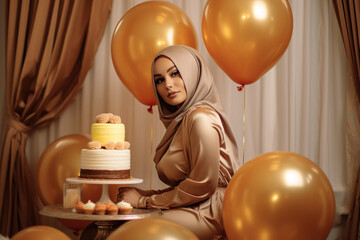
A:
(103, 159)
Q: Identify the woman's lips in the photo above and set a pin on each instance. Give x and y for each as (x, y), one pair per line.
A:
(172, 94)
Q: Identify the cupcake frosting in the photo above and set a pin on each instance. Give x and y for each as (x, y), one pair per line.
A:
(89, 205)
(123, 204)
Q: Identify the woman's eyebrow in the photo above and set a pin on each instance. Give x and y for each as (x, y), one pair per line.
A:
(170, 68)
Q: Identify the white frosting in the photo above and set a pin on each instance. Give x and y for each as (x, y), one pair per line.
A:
(123, 204)
(89, 205)
(103, 159)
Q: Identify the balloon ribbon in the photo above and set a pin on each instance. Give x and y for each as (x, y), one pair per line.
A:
(240, 88)
(151, 149)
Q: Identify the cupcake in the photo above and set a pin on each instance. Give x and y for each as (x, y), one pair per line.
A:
(100, 209)
(89, 207)
(79, 207)
(108, 203)
(111, 209)
(124, 207)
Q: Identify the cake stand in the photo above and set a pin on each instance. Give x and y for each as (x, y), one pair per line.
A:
(105, 184)
(103, 225)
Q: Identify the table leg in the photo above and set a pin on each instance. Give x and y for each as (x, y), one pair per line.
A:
(100, 230)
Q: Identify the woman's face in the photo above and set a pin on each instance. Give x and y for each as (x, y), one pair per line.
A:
(168, 82)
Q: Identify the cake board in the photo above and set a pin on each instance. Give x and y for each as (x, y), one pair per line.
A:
(105, 184)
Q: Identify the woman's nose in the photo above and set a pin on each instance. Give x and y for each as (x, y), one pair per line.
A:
(168, 83)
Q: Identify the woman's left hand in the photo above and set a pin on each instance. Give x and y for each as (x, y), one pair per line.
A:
(128, 194)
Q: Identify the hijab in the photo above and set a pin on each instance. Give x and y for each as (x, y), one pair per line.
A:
(201, 91)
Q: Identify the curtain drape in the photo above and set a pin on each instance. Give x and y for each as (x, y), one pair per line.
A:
(298, 106)
(50, 46)
(348, 16)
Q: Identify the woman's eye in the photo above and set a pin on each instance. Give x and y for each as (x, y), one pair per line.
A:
(159, 80)
(174, 74)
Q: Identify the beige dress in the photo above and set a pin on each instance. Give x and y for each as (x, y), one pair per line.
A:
(197, 167)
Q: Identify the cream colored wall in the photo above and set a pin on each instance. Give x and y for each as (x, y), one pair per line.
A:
(104, 92)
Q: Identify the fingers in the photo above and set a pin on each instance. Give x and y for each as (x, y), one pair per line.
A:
(123, 189)
(121, 192)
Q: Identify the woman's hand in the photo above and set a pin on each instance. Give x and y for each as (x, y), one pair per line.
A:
(128, 194)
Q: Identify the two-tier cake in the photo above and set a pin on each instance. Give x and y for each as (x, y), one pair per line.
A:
(108, 154)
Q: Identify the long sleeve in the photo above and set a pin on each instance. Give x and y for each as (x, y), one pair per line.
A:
(152, 192)
(201, 138)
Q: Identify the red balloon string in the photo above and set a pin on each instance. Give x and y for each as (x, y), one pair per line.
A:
(150, 110)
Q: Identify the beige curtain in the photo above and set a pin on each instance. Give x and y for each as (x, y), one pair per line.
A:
(50, 46)
(298, 106)
(348, 16)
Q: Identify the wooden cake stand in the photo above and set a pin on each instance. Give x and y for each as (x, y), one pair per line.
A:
(103, 225)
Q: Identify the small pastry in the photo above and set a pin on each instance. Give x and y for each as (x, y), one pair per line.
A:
(108, 203)
(79, 207)
(94, 145)
(112, 209)
(115, 119)
(119, 146)
(89, 207)
(110, 145)
(126, 145)
(103, 118)
(124, 207)
(100, 209)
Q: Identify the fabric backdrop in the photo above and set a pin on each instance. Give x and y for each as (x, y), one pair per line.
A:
(348, 16)
(298, 106)
(50, 46)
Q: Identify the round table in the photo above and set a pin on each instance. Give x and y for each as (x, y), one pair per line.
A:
(103, 225)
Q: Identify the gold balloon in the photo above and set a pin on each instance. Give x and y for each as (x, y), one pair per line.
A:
(61, 160)
(279, 195)
(152, 228)
(141, 33)
(246, 38)
(40, 232)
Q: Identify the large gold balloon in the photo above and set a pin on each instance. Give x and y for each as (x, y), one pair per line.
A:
(40, 232)
(61, 160)
(279, 195)
(141, 33)
(152, 228)
(246, 38)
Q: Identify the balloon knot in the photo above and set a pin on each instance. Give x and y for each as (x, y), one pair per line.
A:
(150, 110)
(240, 88)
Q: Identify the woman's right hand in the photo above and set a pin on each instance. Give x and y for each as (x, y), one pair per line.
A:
(128, 194)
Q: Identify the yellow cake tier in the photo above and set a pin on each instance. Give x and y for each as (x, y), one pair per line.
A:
(104, 132)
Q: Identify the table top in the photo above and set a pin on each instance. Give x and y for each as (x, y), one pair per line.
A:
(104, 181)
(58, 211)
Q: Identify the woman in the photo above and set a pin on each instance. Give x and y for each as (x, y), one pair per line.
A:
(198, 153)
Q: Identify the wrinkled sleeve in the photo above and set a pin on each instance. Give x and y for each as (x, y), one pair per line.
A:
(202, 136)
(152, 192)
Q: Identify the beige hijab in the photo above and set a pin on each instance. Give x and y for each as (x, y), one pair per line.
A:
(201, 91)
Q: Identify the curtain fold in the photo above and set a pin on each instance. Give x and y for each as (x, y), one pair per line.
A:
(50, 47)
(348, 16)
